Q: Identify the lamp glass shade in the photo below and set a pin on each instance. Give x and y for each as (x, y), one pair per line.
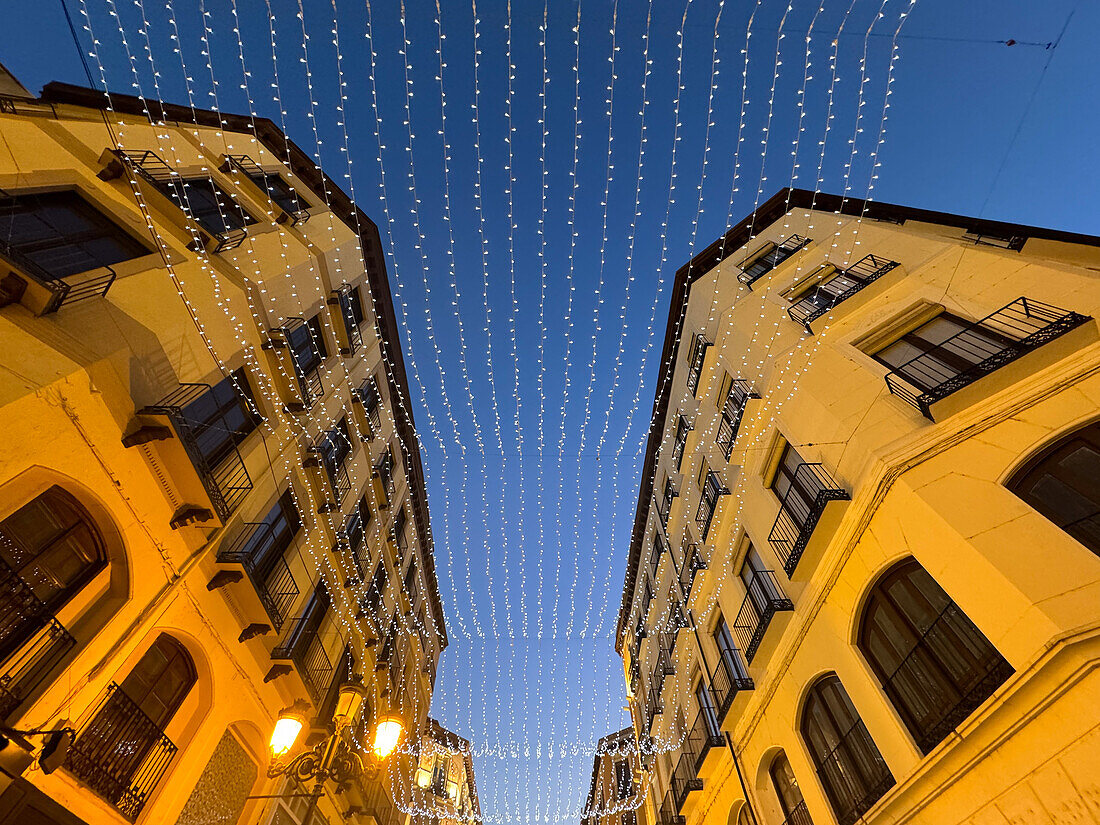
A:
(349, 701)
(285, 734)
(423, 777)
(387, 735)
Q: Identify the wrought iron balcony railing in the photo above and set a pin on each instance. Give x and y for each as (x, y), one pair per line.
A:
(763, 600)
(294, 211)
(839, 288)
(693, 563)
(703, 736)
(655, 705)
(854, 774)
(268, 571)
(984, 347)
(798, 816)
(121, 753)
(669, 813)
(227, 482)
(305, 359)
(761, 263)
(366, 394)
(341, 298)
(700, 345)
(713, 489)
(812, 488)
(730, 677)
(306, 651)
(931, 720)
(64, 289)
(32, 641)
(733, 410)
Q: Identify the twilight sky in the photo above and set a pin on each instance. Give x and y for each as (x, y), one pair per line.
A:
(533, 267)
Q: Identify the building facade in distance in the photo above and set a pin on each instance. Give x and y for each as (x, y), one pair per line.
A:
(864, 577)
(212, 505)
(445, 792)
(616, 792)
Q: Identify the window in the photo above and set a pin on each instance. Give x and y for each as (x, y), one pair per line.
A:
(332, 451)
(1063, 483)
(736, 396)
(768, 257)
(682, 430)
(647, 595)
(849, 765)
(791, 486)
(655, 553)
(410, 583)
(706, 708)
(724, 389)
(353, 530)
(788, 792)
(373, 600)
(308, 353)
(280, 192)
(831, 286)
(221, 418)
(61, 234)
(368, 394)
(934, 664)
(123, 751)
(697, 356)
(318, 335)
(624, 779)
(729, 659)
(210, 206)
(261, 548)
(281, 524)
(52, 546)
(351, 310)
(940, 361)
(399, 529)
(759, 583)
(712, 489)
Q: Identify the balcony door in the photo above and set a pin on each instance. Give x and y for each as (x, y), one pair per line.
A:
(787, 791)
(760, 590)
(796, 491)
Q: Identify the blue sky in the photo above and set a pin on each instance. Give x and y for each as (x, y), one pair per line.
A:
(532, 522)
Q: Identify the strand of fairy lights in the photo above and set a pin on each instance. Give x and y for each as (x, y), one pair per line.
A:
(881, 130)
(541, 224)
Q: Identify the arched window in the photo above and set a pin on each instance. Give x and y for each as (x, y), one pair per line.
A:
(849, 765)
(790, 795)
(935, 666)
(1063, 483)
(52, 544)
(123, 751)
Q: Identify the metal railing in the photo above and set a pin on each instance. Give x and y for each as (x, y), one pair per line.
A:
(693, 563)
(756, 266)
(713, 489)
(310, 385)
(733, 410)
(703, 736)
(854, 774)
(25, 671)
(121, 753)
(666, 661)
(912, 687)
(150, 166)
(822, 297)
(655, 705)
(308, 655)
(800, 510)
(763, 600)
(669, 813)
(664, 506)
(730, 676)
(698, 358)
(252, 170)
(351, 329)
(64, 289)
(983, 347)
(798, 816)
(271, 578)
(228, 482)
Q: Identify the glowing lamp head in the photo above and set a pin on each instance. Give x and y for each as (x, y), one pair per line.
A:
(348, 703)
(387, 735)
(423, 777)
(285, 734)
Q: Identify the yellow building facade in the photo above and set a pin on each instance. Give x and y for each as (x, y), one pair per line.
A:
(445, 792)
(616, 791)
(212, 506)
(864, 577)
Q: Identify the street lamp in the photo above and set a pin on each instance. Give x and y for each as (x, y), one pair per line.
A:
(337, 757)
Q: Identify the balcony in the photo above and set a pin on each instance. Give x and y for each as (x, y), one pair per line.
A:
(800, 510)
(32, 642)
(693, 563)
(713, 489)
(763, 600)
(271, 184)
(223, 475)
(303, 359)
(352, 337)
(664, 506)
(798, 816)
(733, 409)
(702, 737)
(48, 292)
(856, 773)
(984, 347)
(669, 814)
(368, 408)
(267, 571)
(121, 754)
(826, 294)
(655, 705)
(771, 255)
(302, 647)
(699, 347)
(730, 677)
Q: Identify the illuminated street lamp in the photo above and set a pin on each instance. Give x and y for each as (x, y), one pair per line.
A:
(336, 758)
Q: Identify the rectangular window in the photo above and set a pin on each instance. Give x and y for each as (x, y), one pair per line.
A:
(318, 335)
(697, 356)
(214, 209)
(729, 657)
(351, 312)
(768, 257)
(724, 389)
(411, 587)
(332, 451)
(354, 530)
(733, 408)
(280, 192)
(305, 348)
(266, 546)
(221, 419)
(399, 522)
(701, 476)
(57, 234)
(682, 429)
(372, 601)
(796, 488)
(706, 707)
(624, 779)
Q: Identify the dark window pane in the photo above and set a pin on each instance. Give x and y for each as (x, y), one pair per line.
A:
(208, 204)
(279, 191)
(62, 234)
(221, 419)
